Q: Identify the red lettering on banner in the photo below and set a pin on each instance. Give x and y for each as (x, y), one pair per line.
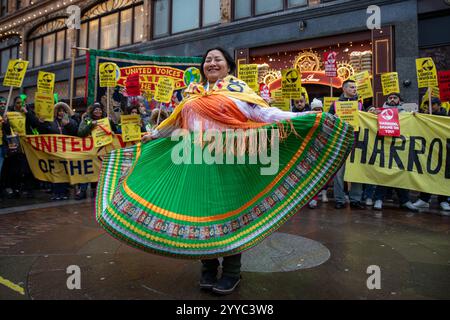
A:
(74, 144)
(46, 144)
(63, 140)
(91, 145)
(54, 143)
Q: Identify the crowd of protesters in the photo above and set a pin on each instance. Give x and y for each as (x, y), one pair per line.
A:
(360, 196)
(18, 181)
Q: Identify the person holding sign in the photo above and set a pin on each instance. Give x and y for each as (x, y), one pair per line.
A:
(63, 123)
(20, 179)
(356, 189)
(424, 199)
(393, 100)
(89, 120)
(217, 209)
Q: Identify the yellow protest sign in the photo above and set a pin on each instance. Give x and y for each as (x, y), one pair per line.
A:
(249, 74)
(17, 121)
(15, 73)
(131, 127)
(291, 83)
(417, 160)
(426, 73)
(43, 106)
(279, 102)
(164, 89)
(327, 101)
(109, 73)
(102, 134)
(426, 97)
(389, 82)
(348, 111)
(46, 82)
(446, 106)
(363, 84)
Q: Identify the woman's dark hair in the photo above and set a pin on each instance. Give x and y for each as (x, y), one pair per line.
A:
(228, 58)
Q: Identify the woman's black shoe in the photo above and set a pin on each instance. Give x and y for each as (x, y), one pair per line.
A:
(226, 285)
(80, 195)
(208, 280)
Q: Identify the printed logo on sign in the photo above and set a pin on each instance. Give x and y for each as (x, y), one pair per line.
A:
(387, 114)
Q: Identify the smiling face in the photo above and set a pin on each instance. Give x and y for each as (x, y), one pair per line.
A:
(215, 66)
(97, 113)
(60, 113)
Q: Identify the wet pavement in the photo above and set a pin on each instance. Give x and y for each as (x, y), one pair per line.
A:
(319, 254)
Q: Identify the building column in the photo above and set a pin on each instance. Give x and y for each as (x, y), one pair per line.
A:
(225, 11)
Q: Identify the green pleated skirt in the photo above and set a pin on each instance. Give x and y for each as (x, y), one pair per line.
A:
(200, 208)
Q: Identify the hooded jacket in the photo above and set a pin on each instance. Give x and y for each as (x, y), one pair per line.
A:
(56, 127)
(87, 124)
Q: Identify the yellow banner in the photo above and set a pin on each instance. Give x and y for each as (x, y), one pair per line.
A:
(46, 82)
(348, 111)
(109, 74)
(60, 158)
(131, 127)
(102, 133)
(363, 84)
(164, 89)
(417, 160)
(17, 121)
(43, 106)
(249, 74)
(291, 83)
(389, 82)
(426, 73)
(15, 73)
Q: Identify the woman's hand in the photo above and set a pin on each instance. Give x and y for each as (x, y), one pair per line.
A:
(148, 137)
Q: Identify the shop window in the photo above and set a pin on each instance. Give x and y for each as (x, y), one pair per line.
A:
(9, 49)
(185, 15)
(264, 6)
(296, 3)
(126, 26)
(249, 8)
(242, 9)
(3, 7)
(112, 24)
(109, 36)
(176, 16)
(47, 43)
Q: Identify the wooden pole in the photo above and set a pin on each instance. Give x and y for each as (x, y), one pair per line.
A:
(331, 86)
(107, 101)
(72, 73)
(7, 101)
(430, 90)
